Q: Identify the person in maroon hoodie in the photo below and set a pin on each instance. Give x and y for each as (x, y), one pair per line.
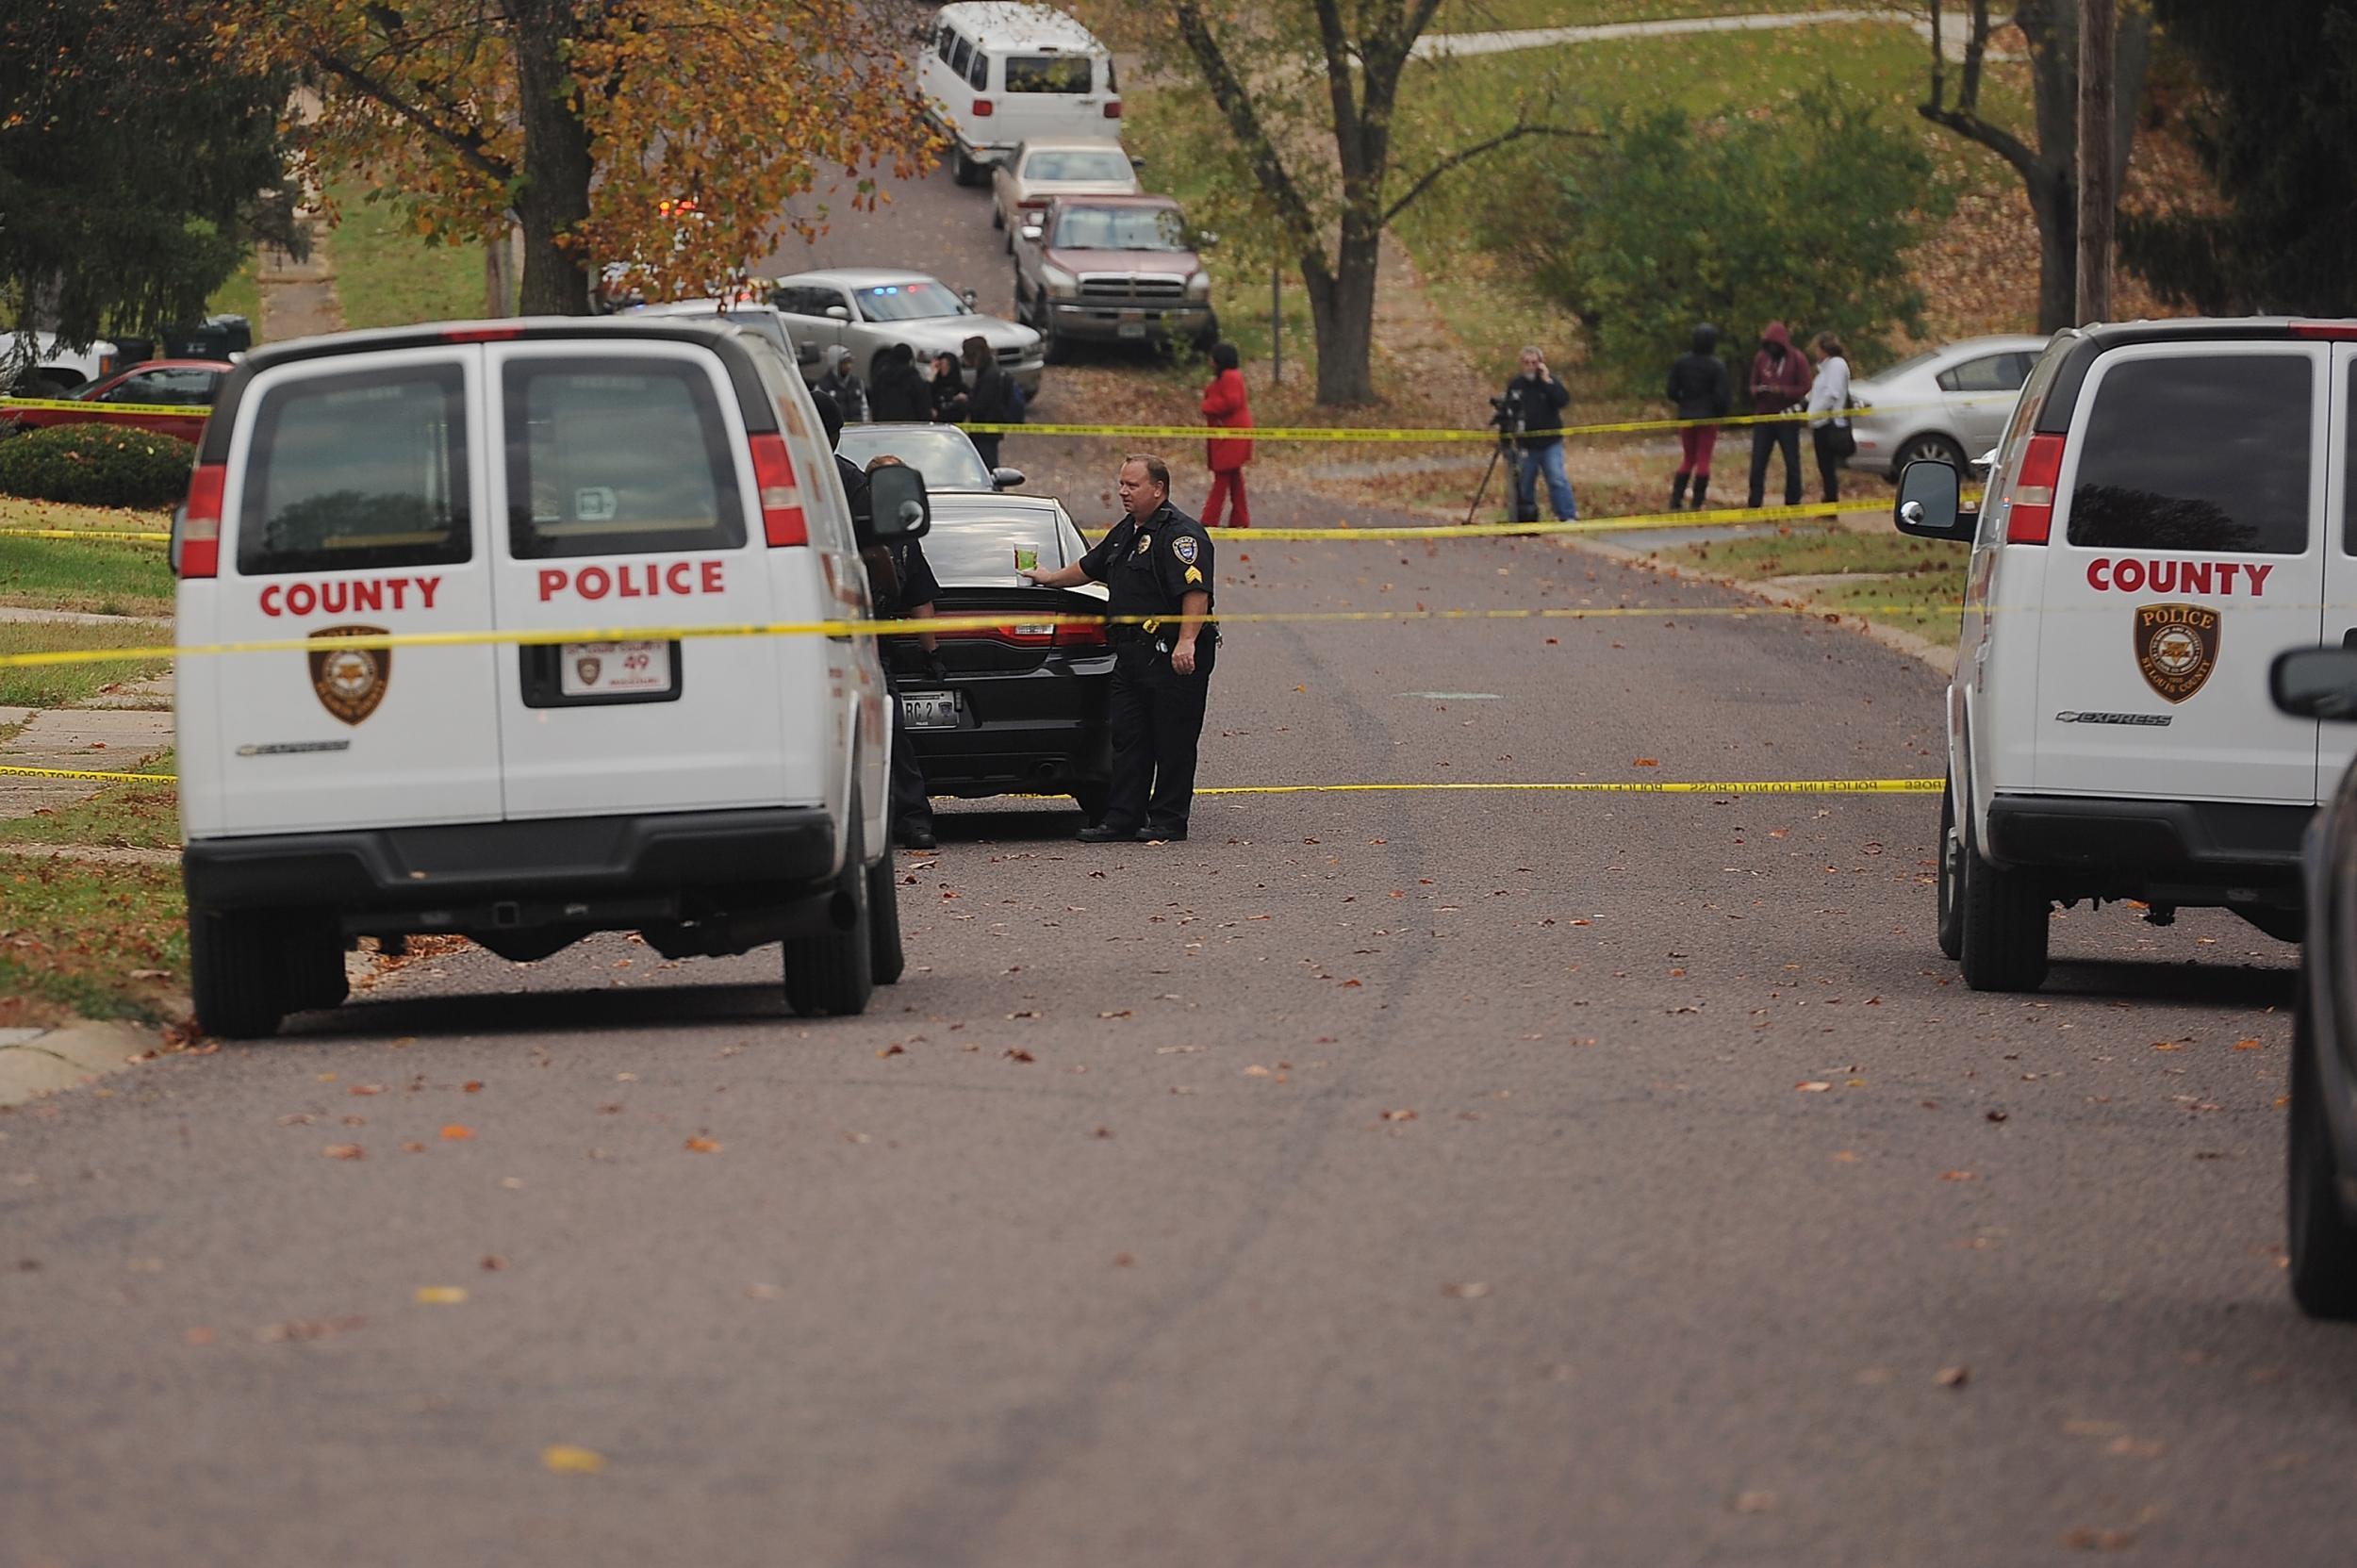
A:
(1781, 377)
(1224, 407)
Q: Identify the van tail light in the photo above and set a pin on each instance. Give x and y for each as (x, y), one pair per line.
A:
(1113, 109)
(983, 107)
(782, 519)
(197, 533)
(2031, 518)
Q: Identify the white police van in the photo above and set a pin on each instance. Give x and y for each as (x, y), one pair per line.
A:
(626, 480)
(996, 74)
(2171, 508)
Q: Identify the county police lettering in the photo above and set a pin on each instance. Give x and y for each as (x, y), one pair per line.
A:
(1159, 568)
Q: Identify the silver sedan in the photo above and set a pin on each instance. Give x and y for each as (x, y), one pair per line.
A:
(1948, 404)
(867, 309)
(1021, 184)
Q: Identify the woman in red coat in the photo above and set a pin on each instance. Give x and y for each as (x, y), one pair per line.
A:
(1225, 408)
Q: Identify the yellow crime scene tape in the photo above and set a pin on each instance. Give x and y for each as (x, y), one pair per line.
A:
(1676, 786)
(144, 535)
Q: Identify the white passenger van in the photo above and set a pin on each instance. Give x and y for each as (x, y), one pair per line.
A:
(587, 490)
(2173, 505)
(997, 74)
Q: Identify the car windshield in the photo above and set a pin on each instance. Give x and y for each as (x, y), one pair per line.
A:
(943, 453)
(908, 302)
(1056, 167)
(1121, 228)
(979, 552)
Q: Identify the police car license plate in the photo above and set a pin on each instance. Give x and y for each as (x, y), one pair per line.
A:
(613, 669)
(929, 710)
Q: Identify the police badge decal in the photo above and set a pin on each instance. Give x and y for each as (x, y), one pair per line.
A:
(350, 681)
(2176, 648)
(588, 670)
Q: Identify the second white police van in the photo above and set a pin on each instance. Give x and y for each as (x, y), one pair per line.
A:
(641, 478)
(996, 74)
(2172, 507)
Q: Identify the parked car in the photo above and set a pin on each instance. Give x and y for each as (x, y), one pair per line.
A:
(1945, 404)
(997, 74)
(50, 370)
(1023, 709)
(764, 318)
(867, 309)
(640, 475)
(1021, 184)
(2320, 683)
(189, 384)
(942, 453)
(1113, 269)
(2156, 530)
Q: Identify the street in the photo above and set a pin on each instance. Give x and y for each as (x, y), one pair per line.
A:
(1378, 1177)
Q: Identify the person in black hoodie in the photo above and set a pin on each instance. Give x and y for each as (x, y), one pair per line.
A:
(948, 389)
(1700, 389)
(898, 395)
(987, 399)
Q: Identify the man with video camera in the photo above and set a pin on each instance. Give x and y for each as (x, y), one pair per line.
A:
(1531, 416)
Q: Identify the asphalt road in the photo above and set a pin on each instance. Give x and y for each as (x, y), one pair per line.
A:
(1375, 1178)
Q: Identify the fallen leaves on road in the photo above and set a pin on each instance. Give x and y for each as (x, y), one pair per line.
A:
(701, 1144)
(1958, 1176)
(1472, 1291)
(1953, 1377)
(344, 1152)
(307, 1328)
(1400, 1115)
(1814, 1086)
(456, 1133)
(1016, 1053)
(563, 1459)
(440, 1295)
(2098, 1540)
(366, 1089)
(2248, 1045)
(493, 1262)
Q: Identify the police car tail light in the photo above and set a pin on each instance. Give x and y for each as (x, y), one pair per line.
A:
(782, 517)
(1084, 633)
(197, 540)
(2033, 515)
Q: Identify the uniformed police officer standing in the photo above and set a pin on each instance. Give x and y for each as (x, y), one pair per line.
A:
(1157, 562)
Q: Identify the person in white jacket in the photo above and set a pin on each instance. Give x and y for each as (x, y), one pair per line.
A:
(1829, 421)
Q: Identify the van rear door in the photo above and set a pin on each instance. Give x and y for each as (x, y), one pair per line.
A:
(2185, 555)
(623, 487)
(352, 491)
(1046, 94)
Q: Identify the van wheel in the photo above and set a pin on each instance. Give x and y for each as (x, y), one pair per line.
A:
(312, 949)
(887, 957)
(998, 219)
(237, 973)
(833, 972)
(2323, 1243)
(2004, 923)
(962, 169)
(1951, 866)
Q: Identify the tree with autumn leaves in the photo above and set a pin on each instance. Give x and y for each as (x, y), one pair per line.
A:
(588, 122)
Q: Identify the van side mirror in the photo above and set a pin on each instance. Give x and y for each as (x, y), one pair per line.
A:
(1005, 479)
(2316, 682)
(896, 495)
(1930, 504)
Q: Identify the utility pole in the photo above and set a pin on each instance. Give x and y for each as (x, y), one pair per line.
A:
(1276, 322)
(2098, 200)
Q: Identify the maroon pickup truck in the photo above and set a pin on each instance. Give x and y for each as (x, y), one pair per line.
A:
(189, 384)
(1113, 269)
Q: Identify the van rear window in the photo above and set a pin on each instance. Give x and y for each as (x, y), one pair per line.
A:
(618, 455)
(358, 471)
(2197, 453)
(1047, 74)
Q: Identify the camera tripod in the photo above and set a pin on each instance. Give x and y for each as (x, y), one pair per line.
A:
(1506, 452)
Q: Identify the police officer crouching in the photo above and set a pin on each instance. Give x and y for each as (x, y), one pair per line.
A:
(1156, 562)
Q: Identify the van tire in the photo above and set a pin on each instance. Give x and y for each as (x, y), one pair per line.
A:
(2323, 1244)
(834, 971)
(887, 957)
(965, 170)
(237, 972)
(2004, 922)
(1951, 866)
(312, 948)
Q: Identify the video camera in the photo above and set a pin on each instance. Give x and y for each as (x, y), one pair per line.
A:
(1506, 416)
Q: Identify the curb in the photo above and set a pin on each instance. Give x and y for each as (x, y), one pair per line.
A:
(34, 1063)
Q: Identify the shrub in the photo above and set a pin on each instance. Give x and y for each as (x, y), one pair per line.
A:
(1803, 216)
(96, 465)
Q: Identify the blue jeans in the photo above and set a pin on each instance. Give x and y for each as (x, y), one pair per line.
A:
(1545, 459)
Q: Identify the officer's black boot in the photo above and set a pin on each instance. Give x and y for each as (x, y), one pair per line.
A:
(1677, 492)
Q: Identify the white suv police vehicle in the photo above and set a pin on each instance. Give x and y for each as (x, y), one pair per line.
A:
(624, 480)
(2171, 508)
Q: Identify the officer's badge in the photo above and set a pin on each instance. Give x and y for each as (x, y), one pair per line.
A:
(587, 670)
(350, 681)
(2176, 648)
(1145, 542)
(1183, 546)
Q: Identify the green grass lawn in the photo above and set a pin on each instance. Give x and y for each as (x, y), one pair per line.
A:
(1484, 16)
(124, 817)
(99, 577)
(65, 684)
(387, 276)
(96, 941)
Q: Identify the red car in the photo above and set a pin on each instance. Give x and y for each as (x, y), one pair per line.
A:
(189, 384)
